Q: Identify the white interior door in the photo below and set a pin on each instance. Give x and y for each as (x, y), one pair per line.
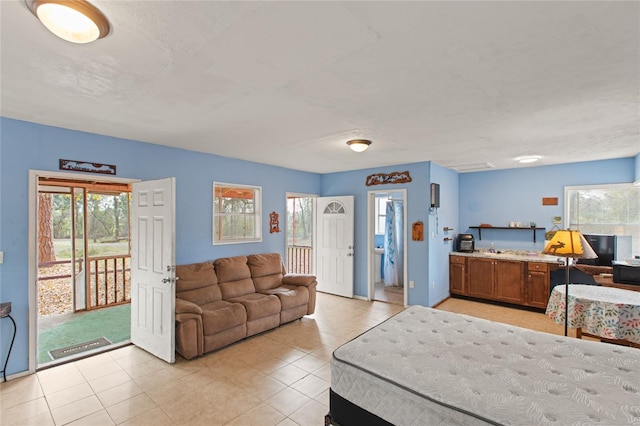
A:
(153, 267)
(334, 245)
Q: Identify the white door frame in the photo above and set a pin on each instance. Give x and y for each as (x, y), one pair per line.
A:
(371, 212)
(33, 244)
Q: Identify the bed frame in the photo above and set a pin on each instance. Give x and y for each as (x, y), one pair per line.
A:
(349, 413)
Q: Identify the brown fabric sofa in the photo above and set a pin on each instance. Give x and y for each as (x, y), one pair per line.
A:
(221, 302)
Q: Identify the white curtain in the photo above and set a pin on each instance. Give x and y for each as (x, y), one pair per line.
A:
(394, 244)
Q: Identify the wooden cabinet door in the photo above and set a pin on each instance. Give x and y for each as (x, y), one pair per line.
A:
(481, 277)
(457, 278)
(509, 276)
(537, 288)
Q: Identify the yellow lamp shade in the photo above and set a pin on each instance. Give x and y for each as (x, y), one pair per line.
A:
(568, 243)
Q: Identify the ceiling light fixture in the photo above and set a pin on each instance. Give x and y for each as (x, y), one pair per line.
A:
(76, 21)
(528, 159)
(359, 145)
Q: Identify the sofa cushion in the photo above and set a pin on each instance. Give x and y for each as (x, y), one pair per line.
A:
(197, 283)
(221, 315)
(258, 305)
(232, 268)
(266, 270)
(234, 276)
(290, 297)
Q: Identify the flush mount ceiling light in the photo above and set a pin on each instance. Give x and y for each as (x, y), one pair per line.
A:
(76, 21)
(528, 159)
(359, 145)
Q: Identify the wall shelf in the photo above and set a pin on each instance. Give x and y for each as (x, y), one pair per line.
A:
(511, 228)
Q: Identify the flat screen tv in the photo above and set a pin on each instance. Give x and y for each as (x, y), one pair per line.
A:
(608, 248)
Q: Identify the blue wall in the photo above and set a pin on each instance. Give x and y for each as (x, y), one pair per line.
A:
(28, 146)
(495, 197)
(501, 196)
(637, 181)
(353, 183)
(446, 216)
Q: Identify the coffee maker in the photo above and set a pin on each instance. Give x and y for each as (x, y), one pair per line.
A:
(465, 243)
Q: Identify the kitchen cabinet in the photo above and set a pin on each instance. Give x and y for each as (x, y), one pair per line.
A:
(511, 281)
(458, 275)
(537, 285)
(481, 277)
(496, 279)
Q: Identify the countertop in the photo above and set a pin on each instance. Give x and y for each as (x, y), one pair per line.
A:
(518, 255)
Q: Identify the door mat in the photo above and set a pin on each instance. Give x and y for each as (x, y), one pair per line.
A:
(79, 348)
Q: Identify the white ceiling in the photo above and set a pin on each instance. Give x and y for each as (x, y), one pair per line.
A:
(288, 83)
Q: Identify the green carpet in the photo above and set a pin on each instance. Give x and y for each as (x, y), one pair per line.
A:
(113, 323)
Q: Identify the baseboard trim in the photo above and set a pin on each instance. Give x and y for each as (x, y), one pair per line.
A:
(18, 375)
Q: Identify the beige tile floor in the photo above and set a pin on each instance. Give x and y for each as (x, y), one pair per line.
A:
(386, 294)
(280, 377)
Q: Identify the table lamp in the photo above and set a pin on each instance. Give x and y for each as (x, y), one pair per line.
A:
(569, 244)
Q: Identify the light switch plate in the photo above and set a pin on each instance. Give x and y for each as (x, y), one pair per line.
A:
(1, 257)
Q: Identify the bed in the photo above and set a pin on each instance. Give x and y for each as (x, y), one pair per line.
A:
(427, 367)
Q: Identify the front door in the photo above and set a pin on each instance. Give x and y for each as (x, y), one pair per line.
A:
(153, 267)
(334, 245)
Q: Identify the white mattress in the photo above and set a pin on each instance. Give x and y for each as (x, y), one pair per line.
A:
(426, 366)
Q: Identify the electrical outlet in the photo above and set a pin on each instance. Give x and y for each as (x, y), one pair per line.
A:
(1, 257)
(411, 284)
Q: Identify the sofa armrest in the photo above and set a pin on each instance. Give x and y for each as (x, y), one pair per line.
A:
(299, 279)
(189, 335)
(185, 307)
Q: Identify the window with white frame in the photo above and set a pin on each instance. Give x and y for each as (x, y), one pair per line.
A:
(236, 213)
(381, 214)
(604, 209)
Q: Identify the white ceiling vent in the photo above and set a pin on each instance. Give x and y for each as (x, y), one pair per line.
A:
(473, 167)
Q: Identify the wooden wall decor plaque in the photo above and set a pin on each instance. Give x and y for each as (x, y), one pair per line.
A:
(274, 222)
(383, 178)
(417, 231)
(550, 201)
(87, 166)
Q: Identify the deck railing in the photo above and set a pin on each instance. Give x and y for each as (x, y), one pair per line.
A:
(299, 259)
(56, 262)
(108, 282)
